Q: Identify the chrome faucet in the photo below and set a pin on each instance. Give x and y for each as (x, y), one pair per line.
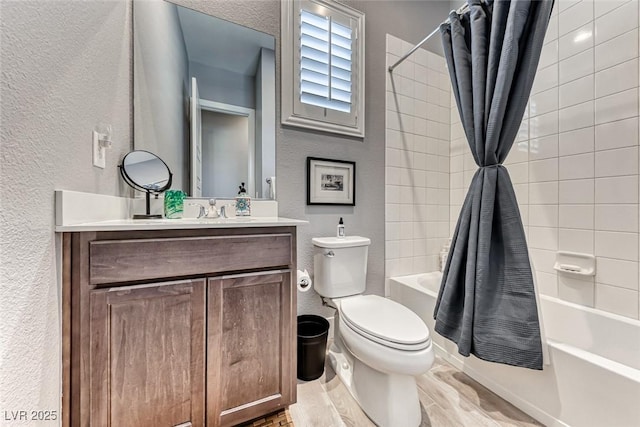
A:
(210, 212)
(202, 212)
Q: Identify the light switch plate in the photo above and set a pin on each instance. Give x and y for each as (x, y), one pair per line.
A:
(99, 153)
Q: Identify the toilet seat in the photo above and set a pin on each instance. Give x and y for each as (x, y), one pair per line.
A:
(381, 356)
(385, 322)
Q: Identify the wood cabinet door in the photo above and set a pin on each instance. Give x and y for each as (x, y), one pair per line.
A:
(251, 358)
(147, 355)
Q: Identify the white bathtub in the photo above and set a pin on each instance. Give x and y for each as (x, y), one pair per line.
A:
(594, 376)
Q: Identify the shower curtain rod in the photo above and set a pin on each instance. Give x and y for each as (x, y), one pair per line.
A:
(461, 10)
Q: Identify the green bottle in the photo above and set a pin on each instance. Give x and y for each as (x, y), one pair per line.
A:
(174, 203)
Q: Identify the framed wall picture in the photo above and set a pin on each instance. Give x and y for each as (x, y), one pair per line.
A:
(331, 182)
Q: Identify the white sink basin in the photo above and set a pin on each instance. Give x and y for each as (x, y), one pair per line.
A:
(230, 220)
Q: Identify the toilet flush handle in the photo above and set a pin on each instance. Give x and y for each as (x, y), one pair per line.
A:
(329, 254)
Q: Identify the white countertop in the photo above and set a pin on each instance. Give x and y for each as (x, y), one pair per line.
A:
(77, 211)
(179, 224)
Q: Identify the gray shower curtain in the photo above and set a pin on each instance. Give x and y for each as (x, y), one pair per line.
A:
(487, 302)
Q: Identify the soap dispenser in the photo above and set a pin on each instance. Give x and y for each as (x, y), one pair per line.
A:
(340, 232)
(243, 202)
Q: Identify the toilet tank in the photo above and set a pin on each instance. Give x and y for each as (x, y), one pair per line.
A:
(340, 265)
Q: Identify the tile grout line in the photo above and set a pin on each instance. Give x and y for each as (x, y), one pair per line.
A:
(557, 110)
(593, 243)
(637, 314)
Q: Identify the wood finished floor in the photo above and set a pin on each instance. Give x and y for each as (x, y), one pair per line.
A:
(448, 397)
(277, 419)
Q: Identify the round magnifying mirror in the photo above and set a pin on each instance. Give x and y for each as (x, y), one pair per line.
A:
(146, 172)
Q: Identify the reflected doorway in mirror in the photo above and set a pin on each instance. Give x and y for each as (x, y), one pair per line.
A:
(227, 148)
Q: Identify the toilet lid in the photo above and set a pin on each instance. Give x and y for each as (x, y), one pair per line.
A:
(385, 320)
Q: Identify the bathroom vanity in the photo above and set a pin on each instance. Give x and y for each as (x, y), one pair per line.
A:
(178, 327)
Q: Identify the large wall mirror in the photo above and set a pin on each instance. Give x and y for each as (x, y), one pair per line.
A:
(204, 99)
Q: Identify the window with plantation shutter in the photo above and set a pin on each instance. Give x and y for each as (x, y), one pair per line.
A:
(325, 62)
(323, 67)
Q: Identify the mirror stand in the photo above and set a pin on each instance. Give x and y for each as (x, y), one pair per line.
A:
(148, 215)
(144, 171)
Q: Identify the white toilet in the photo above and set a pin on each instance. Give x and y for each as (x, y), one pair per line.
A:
(379, 345)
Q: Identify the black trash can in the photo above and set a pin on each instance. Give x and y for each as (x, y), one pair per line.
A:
(312, 346)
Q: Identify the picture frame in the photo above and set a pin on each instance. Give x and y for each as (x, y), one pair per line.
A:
(331, 182)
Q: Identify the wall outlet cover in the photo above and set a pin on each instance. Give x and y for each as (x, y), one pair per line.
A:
(99, 153)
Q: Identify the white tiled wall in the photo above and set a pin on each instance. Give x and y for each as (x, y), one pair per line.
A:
(417, 160)
(575, 162)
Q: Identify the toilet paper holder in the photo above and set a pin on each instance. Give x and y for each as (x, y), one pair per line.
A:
(303, 280)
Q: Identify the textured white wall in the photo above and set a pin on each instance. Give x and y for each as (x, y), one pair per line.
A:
(65, 68)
